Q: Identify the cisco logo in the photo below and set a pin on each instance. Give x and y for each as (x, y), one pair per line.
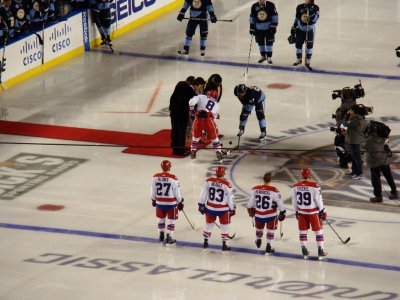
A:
(31, 52)
(60, 39)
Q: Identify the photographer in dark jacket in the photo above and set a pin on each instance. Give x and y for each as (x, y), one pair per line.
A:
(377, 156)
(355, 124)
(179, 111)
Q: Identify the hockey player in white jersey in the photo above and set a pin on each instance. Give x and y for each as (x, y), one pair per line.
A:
(216, 200)
(205, 108)
(166, 197)
(310, 212)
(263, 203)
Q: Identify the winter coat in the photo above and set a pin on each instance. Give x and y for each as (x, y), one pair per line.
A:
(356, 126)
(376, 155)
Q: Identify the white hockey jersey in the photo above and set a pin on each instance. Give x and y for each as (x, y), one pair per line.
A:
(204, 103)
(265, 199)
(165, 190)
(307, 197)
(217, 195)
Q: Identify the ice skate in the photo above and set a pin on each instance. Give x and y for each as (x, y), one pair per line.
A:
(241, 131)
(161, 237)
(258, 243)
(376, 200)
(305, 252)
(308, 64)
(183, 52)
(297, 62)
(202, 52)
(262, 59)
(225, 247)
(269, 60)
(220, 156)
(205, 244)
(263, 136)
(193, 154)
(169, 240)
(269, 250)
(321, 254)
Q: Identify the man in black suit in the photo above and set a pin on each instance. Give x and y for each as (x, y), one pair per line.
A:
(179, 111)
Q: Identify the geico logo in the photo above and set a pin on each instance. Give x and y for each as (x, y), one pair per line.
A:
(61, 45)
(129, 7)
(32, 58)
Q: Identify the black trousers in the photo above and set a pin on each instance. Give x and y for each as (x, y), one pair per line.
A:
(376, 179)
(178, 135)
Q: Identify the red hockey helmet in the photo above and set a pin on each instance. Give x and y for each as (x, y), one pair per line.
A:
(212, 94)
(220, 171)
(166, 165)
(305, 173)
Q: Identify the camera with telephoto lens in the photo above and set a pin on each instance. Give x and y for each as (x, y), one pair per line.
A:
(349, 94)
(363, 110)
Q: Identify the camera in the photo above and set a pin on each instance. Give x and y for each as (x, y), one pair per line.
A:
(334, 129)
(363, 110)
(349, 94)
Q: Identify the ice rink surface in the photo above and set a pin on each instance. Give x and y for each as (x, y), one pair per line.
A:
(104, 243)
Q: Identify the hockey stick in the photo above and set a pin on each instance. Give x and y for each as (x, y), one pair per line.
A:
(280, 230)
(231, 237)
(188, 219)
(199, 19)
(333, 229)
(248, 61)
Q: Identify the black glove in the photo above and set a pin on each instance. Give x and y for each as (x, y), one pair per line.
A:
(272, 29)
(252, 31)
(202, 208)
(293, 31)
(322, 214)
(232, 212)
(180, 16)
(153, 202)
(180, 206)
(282, 215)
(213, 17)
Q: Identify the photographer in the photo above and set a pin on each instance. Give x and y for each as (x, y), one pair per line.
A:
(377, 155)
(356, 125)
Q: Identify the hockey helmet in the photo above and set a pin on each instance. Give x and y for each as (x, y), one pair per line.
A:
(305, 173)
(166, 165)
(239, 90)
(220, 171)
(212, 94)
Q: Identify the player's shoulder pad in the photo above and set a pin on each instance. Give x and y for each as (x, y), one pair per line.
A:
(169, 175)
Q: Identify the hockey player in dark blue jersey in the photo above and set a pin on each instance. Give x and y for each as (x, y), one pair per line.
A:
(251, 97)
(102, 18)
(263, 22)
(199, 11)
(307, 14)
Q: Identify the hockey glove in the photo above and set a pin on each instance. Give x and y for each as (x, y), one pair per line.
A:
(322, 214)
(213, 17)
(252, 31)
(202, 208)
(232, 212)
(272, 30)
(153, 202)
(252, 212)
(293, 31)
(282, 215)
(180, 205)
(180, 16)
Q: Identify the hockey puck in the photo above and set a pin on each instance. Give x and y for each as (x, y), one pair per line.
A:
(230, 142)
